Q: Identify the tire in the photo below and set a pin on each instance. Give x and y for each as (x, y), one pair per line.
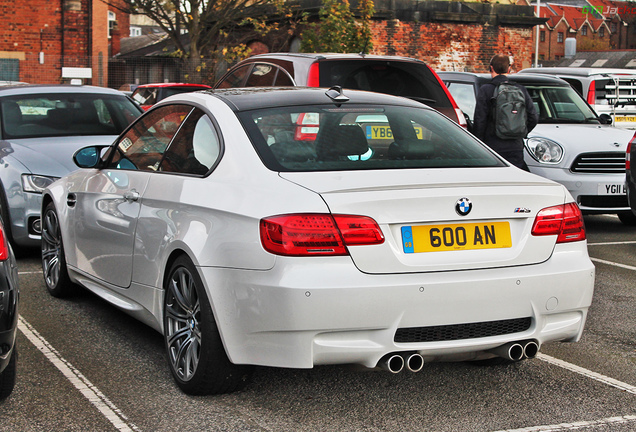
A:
(628, 218)
(196, 356)
(54, 267)
(7, 377)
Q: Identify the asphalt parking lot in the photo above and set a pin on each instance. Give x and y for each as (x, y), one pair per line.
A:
(85, 366)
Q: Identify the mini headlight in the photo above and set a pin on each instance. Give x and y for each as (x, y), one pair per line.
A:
(36, 183)
(545, 150)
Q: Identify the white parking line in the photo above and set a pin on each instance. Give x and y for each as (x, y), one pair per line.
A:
(90, 392)
(625, 266)
(576, 425)
(588, 373)
(612, 243)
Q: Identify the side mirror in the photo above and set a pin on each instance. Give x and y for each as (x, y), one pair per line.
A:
(88, 157)
(605, 119)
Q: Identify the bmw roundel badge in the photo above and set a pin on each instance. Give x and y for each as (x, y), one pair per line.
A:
(463, 206)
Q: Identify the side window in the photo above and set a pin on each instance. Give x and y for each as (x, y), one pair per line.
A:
(195, 149)
(464, 95)
(263, 75)
(236, 78)
(143, 146)
(283, 79)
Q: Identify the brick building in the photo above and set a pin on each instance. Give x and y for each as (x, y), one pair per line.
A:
(53, 41)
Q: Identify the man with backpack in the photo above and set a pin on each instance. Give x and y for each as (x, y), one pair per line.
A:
(504, 113)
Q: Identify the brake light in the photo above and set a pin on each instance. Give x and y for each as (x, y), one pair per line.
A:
(461, 119)
(307, 125)
(565, 221)
(317, 234)
(591, 93)
(313, 79)
(4, 245)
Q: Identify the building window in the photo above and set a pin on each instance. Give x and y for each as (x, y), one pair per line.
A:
(584, 30)
(112, 22)
(560, 37)
(601, 32)
(135, 31)
(613, 27)
(542, 36)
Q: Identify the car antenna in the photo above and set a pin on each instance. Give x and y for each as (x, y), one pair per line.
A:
(335, 94)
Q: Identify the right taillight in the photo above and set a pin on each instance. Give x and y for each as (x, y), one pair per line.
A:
(565, 221)
(317, 234)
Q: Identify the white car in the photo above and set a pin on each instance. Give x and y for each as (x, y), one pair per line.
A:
(610, 91)
(570, 145)
(217, 222)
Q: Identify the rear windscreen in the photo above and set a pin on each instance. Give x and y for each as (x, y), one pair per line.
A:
(361, 137)
(413, 80)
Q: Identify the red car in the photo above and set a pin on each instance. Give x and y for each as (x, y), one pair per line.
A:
(147, 95)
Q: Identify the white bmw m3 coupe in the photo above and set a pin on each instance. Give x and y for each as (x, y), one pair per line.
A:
(294, 227)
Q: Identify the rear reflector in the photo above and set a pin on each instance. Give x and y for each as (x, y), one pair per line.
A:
(317, 234)
(565, 221)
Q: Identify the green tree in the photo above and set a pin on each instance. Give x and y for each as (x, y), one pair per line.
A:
(215, 29)
(337, 29)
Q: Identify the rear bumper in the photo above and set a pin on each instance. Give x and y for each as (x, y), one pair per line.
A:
(301, 314)
(585, 188)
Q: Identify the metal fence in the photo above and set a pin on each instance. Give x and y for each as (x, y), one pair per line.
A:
(113, 72)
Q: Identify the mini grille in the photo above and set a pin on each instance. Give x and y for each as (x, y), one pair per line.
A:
(462, 331)
(600, 163)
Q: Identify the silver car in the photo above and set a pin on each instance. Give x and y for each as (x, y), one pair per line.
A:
(41, 127)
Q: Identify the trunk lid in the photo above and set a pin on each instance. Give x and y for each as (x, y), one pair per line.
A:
(422, 204)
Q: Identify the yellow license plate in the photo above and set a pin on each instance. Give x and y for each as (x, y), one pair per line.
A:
(384, 132)
(625, 118)
(455, 237)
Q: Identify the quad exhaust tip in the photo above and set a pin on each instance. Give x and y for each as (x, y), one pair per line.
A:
(397, 362)
(516, 351)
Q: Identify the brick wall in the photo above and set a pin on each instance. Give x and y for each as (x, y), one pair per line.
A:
(69, 33)
(453, 47)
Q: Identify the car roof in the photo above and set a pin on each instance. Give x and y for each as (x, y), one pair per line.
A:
(243, 99)
(330, 56)
(22, 89)
(580, 71)
(525, 79)
(141, 86)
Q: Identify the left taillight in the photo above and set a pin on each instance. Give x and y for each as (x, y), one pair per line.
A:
(307, 126)
(317, 234)
(565, 221)
(591, 93)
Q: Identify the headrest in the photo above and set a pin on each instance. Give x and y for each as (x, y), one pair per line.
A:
(344, 140)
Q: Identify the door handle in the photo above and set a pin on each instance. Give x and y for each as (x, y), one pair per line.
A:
(71, 200)
(131, 195)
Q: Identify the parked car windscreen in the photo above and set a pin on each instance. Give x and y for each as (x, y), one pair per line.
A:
(560, 105)
(361, 137)
(65, 114)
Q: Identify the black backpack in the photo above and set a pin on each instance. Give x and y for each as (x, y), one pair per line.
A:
(509, 111)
